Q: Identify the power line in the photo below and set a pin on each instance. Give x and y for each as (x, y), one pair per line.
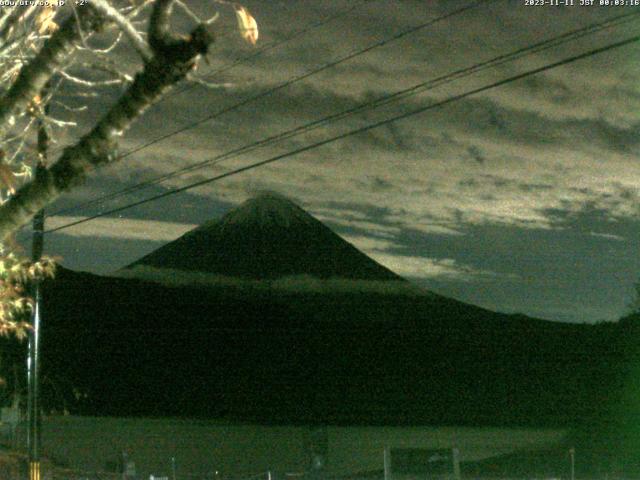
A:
(276, 44)
(303, 76)
(383, 100)
(366, 128)
(270, 46)
(306, 75)
(258, 52)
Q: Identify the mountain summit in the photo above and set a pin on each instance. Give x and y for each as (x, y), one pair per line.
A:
(278, 352)
(267, 237)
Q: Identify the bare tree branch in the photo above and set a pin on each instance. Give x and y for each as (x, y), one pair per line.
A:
(133, 11)
(185, 8)
(107, 66)
(16, 16)
(89, 83)
(6, 13)
(125, 25)
(106, 50)
(173, 58)
(159, 35)
(52, 56)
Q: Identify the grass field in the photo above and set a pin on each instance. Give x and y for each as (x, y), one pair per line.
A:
(201, 447)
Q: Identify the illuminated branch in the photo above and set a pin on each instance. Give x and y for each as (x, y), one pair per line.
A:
(34, 76)
(173, 58)
(125, 25)
(16, 16)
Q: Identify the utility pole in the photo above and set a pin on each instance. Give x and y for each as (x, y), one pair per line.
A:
(33, 362)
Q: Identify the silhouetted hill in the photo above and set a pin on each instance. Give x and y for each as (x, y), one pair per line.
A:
(276, 355)
(267, 315)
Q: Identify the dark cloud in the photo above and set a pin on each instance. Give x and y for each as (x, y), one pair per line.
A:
(377, 184)
(556, 91)
(566, 273)
(523, 198)
(476, 154)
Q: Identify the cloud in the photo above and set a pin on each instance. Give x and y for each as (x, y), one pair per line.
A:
(521, 164)
(476, 154)
(528, 155)
(431, 268)
(292, 284)
(388, 252)
(121, 228)
(369, 244)
(544, 131)
(608, 236)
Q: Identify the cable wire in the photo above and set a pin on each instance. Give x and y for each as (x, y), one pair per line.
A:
(383, 100)
(272, 45)
(303, 76)
(258, 52)
(306, 75)
(366, 128)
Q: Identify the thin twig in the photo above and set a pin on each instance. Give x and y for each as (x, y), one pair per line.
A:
(39, 71)
(89, 83)
(212, 85)
(6, 14)
(185, 8)
(173, 58)
(16, 17)
(125, 25)
(66, 107)
(106, 50)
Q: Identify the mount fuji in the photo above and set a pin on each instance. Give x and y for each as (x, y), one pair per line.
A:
(267, 237)
(253, 344)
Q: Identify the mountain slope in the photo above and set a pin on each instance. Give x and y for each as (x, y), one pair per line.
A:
(142, 348)
(255, 349)
(267, 237)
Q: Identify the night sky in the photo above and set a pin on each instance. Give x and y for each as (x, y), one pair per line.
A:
(522, 198)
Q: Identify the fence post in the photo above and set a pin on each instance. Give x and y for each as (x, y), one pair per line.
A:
(572, 454)
(387, 463)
